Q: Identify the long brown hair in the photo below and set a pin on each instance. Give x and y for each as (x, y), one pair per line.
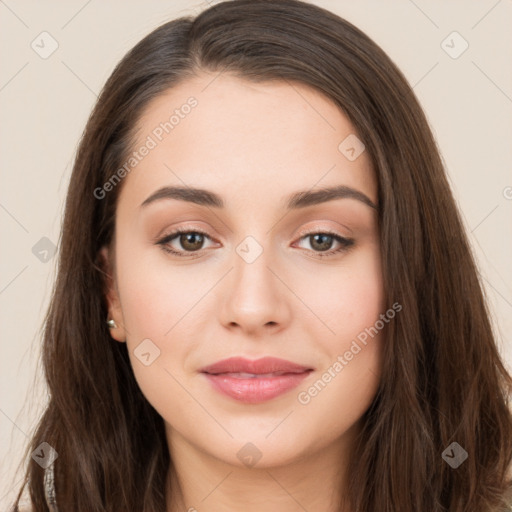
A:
(442, 381)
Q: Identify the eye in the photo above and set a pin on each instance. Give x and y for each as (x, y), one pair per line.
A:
(190, 241)
(322, 241)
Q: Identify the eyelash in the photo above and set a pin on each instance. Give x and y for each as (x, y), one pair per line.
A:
(346, 243)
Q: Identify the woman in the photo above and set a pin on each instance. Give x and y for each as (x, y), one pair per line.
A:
(327, 347)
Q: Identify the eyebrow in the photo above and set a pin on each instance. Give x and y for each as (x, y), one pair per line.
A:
(300, 199)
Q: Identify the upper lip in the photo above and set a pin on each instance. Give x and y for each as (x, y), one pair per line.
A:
(257, 366)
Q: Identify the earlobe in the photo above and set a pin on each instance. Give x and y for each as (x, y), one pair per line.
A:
(114, 320)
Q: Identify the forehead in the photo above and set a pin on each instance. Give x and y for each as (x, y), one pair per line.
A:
(250, 140)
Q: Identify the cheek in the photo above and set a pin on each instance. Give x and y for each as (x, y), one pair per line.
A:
(158, 303)
(337, 400)
(153, 300)
(351, 307)
(348, 299)
(154, 296)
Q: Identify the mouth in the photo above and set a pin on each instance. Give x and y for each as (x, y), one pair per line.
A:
(255, 381)
(245, 375)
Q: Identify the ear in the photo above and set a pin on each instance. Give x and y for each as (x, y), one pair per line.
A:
(112, 296)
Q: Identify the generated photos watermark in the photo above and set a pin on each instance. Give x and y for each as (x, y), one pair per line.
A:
(305, 397)
(157, 135)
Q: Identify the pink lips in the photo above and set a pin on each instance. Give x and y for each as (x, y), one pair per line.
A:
(255, 381)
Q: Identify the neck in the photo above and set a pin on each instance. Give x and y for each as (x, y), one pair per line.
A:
(199, 481)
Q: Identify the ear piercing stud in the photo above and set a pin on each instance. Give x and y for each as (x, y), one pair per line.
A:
(111, 324)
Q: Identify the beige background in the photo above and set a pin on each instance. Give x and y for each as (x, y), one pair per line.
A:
(44, 104)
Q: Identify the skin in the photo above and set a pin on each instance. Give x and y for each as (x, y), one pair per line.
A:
(253, 144)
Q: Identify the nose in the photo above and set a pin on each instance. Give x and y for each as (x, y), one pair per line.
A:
(254, 296)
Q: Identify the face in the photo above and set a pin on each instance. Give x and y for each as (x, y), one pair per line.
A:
(257, 271)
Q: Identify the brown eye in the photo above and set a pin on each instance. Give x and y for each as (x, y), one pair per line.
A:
(191, 241)
(183, 242)
(321, 243)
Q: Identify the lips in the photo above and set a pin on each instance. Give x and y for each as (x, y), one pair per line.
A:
(255, 381)
(265, 365)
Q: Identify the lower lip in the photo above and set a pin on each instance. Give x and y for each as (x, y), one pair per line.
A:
(256, 390)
